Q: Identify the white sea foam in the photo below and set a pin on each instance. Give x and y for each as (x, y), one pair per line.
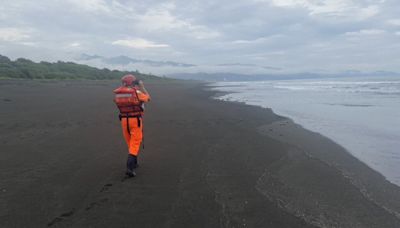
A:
(363, 115)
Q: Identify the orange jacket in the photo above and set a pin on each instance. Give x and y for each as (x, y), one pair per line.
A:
(130, 100)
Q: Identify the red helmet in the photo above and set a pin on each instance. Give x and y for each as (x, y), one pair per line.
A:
(128, 79)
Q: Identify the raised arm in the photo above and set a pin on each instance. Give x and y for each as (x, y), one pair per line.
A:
(141, 87)
(142, 93)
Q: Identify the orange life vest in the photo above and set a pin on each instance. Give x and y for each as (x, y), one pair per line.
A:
(128, 102)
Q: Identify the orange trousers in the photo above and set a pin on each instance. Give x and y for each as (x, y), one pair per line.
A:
(132, 129)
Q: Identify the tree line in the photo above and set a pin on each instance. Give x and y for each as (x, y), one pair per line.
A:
(26, 69)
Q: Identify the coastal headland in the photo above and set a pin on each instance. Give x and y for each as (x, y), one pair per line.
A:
(205, 163)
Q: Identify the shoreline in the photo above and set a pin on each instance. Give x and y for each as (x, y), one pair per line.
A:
(302, 140)
(362, 176)
(207, 163)
(352, 139)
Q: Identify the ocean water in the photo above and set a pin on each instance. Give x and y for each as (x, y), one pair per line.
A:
(361, 114)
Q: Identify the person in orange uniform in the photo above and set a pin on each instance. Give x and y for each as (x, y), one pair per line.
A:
(130, 99)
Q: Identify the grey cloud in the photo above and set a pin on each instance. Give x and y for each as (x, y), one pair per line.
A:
(206, 34)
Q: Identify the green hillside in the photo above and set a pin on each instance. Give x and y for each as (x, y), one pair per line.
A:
(27, 69)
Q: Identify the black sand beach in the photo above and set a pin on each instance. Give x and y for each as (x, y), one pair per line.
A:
(206, 163)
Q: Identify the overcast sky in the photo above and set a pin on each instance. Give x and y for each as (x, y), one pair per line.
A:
(252, 36)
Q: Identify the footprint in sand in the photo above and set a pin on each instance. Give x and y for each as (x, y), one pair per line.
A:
(61, 217)
(105, 187)
(71, 212)
(97, 203)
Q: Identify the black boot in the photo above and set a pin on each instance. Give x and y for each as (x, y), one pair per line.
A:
(131, 164)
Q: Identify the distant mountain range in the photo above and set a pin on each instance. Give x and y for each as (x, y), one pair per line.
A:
(249, 65)
(262, 77)
(125, 60)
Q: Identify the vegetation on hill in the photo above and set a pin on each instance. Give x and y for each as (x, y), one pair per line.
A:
(27, 69)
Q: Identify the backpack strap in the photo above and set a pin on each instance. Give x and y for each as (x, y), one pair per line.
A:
(127, 125)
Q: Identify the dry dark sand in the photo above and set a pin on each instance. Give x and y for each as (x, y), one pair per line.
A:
(206, 163)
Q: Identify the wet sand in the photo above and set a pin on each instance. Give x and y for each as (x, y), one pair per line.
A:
(206, 163)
